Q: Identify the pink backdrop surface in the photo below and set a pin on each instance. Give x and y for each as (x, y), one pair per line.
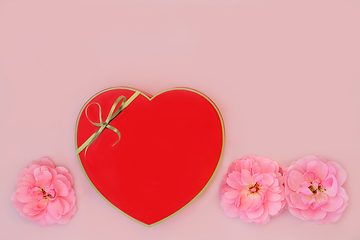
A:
(284, 74)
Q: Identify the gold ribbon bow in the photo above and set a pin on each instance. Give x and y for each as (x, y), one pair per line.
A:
(110, 117)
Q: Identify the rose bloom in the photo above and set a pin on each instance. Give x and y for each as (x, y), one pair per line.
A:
(44, 194)
(253, 189)
(313, 189)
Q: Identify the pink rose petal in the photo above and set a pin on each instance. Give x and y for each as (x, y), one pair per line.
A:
(333, 204)
(230, 210)
(267, 166)
(29, 206)
(320, 168)
(246, 178)
(257, 177)
(297, 213)
(26, 178)
(63, 171)
(42, 177)
(328, 182)
(62, 189)
(332, 189)
(256, 213)
(303, 162)
(55, 208)
(66, 218)
(264, 218)
(244, 217)
(274, 207)
(308, 199)
(66, 206)
(320, 200)
(342, 193)
(270, 196)
(248, 164)
(257, 201)
(38, 216)
(47, 162)
(23, 195)
(234, 180)
(295, 199)
(305, 191)
(342, 208)
(329, 218)
(340, 173)
(49, 219)
(246, 202)
(232, 194)
(256, 168)
(309, 176)
(294, 180)
(313, 214)
(268, 179)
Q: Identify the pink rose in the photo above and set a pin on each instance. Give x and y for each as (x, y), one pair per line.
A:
(313, 189)
(44, 194)
(253, 190)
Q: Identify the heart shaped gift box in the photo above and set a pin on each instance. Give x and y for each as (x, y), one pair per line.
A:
(152, 156)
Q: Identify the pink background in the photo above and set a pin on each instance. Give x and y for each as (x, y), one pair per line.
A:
(284, 74)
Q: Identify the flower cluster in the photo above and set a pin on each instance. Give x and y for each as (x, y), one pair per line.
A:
(255, 189)
(44, 193)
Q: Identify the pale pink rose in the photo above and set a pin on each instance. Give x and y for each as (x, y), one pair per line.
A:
(313, 189)
(44, 194)
(253, 189)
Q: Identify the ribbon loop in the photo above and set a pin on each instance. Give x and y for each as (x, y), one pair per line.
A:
(112, 114)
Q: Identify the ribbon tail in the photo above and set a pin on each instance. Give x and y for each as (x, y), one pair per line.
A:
(123, 105)
(88, 141)
(116, 131)
(132, 98)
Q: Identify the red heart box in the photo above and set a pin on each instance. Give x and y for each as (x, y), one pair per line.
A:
(169, 149)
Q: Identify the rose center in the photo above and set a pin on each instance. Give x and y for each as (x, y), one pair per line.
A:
(315, 190)
(254, 188)
(45, 195)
